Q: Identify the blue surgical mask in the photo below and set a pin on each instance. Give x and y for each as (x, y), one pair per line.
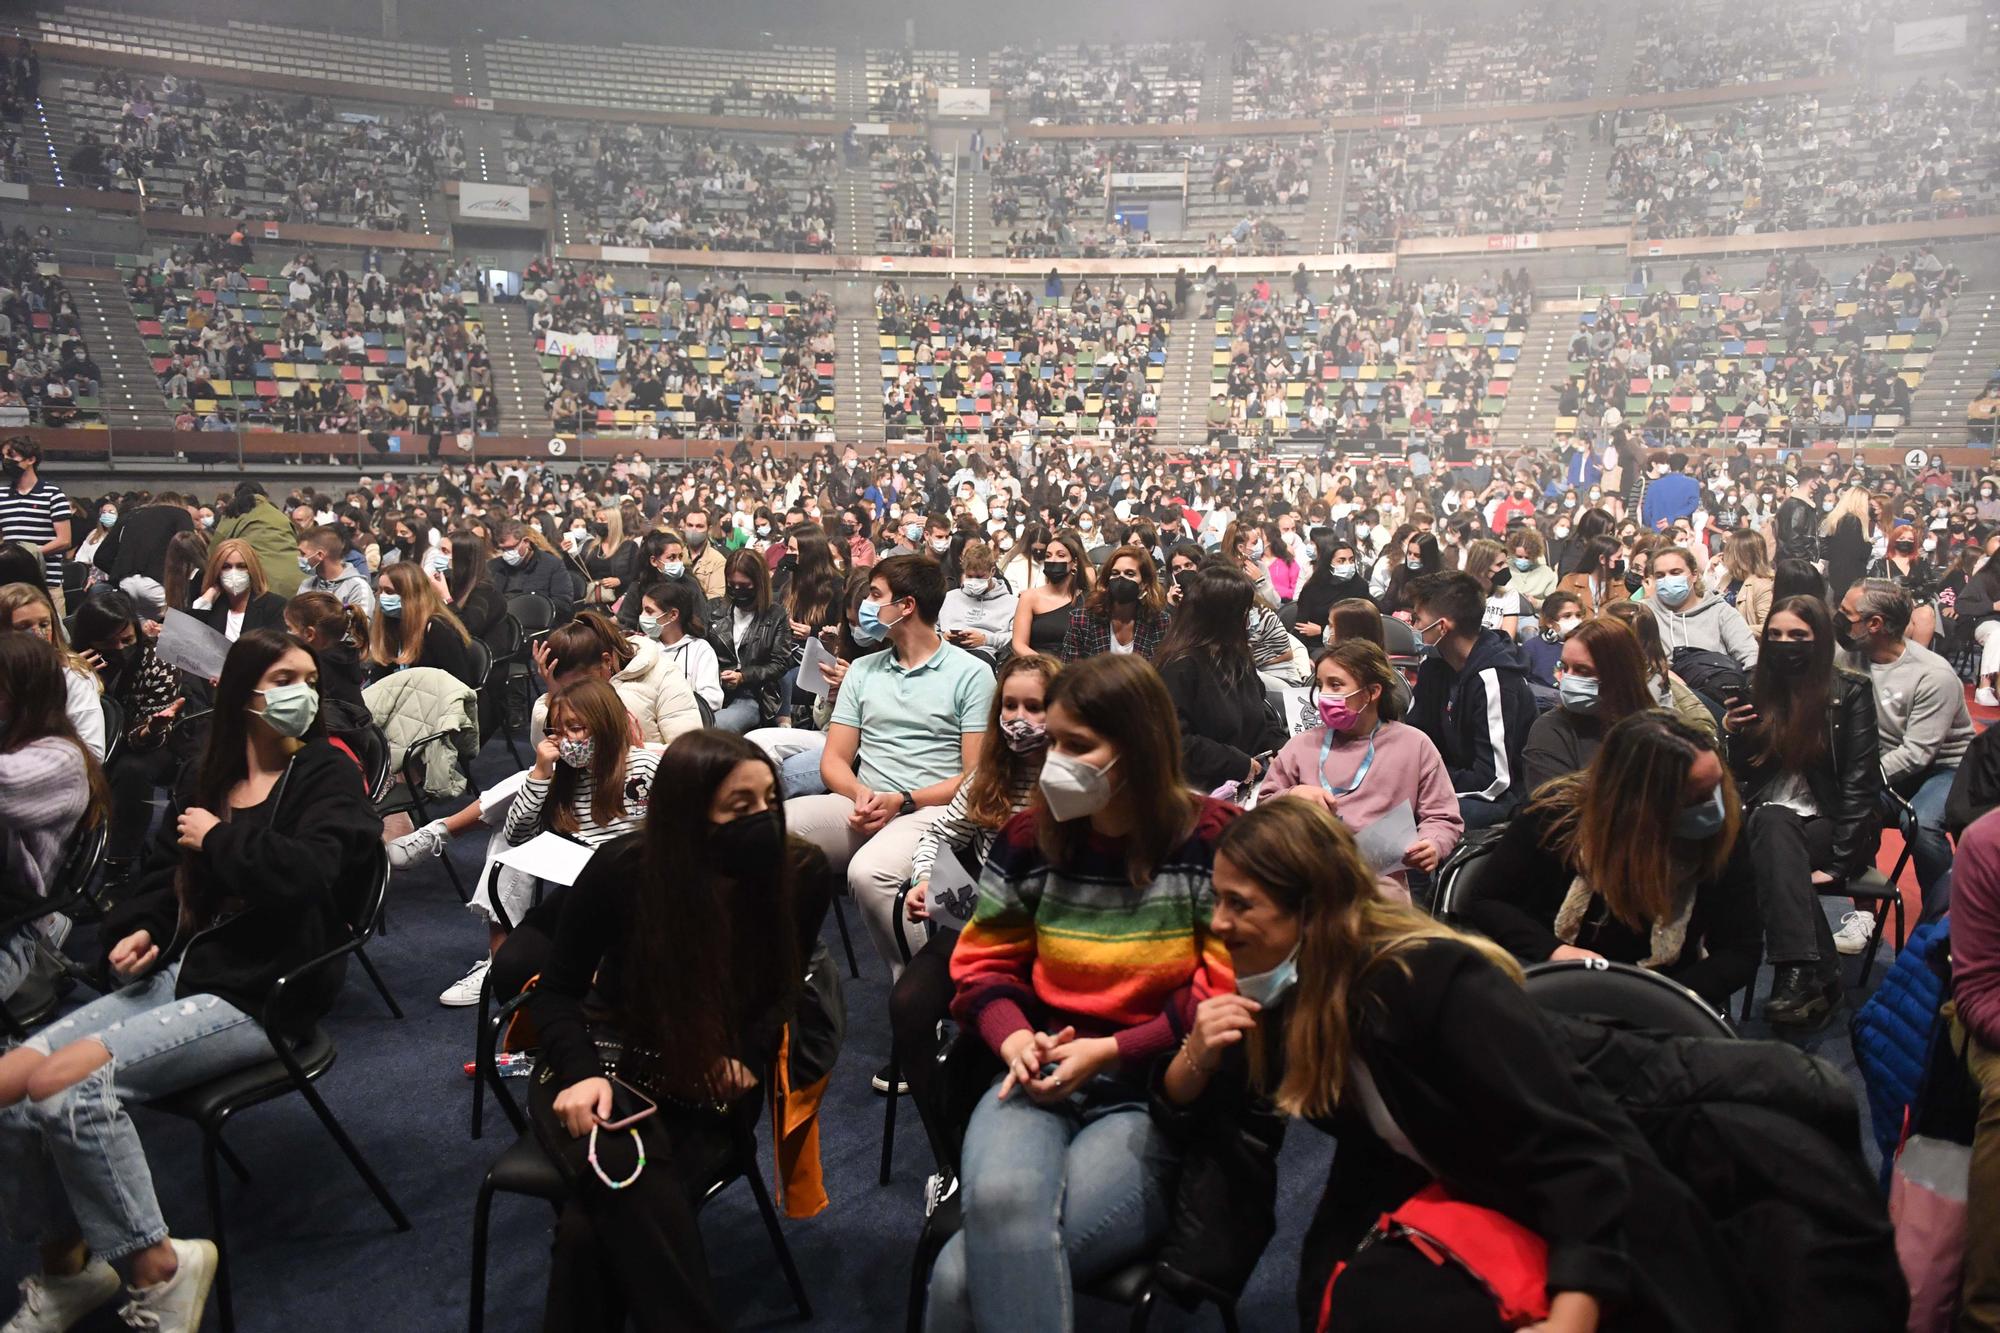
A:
(1673, 589)
(869, 627)
(1522, 563)
(674, 569)
(108, 520)
(289, 710)
(1578, 693)
(305, 566)
(650, 626)
(1267, 988)
(437, 562)
(1703, 820)
(391, 604)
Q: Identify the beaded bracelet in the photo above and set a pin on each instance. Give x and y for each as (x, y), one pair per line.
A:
(609, 1183)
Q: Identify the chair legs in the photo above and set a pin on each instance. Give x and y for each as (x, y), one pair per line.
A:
(236, 1167)
(347, 1146)
(753, 1173)
(1142, 1311)
(889, 1113)
(225, 1307)
(846, 940)
(381, 986)
(475, 1321)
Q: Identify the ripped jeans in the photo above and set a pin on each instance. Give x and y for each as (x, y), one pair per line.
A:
(72, 1164)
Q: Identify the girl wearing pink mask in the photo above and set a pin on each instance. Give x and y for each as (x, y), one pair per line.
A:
(1361, 763)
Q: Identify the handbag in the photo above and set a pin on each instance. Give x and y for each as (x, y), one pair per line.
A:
(1503, 1256)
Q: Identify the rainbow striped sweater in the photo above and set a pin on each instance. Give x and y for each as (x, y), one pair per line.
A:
(1053, 946)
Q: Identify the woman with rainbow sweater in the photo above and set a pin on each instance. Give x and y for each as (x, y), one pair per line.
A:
(1080, 967)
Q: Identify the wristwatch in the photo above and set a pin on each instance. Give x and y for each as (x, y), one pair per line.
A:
(909, 805)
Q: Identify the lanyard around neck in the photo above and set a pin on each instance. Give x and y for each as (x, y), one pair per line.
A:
(1367, 762)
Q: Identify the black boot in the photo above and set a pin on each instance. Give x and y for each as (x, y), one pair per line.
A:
(1803, 996)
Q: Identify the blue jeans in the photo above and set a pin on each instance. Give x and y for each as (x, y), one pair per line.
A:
(799, 774)
(17, 959)
(1053, 1195)
(1931, 849)
(739, 715)
(72, 1164)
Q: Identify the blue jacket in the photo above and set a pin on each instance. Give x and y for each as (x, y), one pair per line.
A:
(1672, 496)
(1892, 1033)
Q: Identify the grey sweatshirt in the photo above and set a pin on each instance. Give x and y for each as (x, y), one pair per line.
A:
(1920, 711)
(1709, 623)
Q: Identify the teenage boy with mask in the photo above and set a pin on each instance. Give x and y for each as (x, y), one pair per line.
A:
(705, 562)
(323, 560)
(34, 512)
(905, 730)
(1471, 698)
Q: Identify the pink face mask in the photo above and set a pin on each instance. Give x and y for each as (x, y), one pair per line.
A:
(1335, 714)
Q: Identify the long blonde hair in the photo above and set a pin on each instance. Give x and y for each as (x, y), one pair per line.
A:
(1306, 861)
(14, 596)
(1745, 556)
(1853, 500)
(211, 575)
(421, 605)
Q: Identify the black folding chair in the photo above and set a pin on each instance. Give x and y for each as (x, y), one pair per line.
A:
(1598, 988)
(508, 643)
(525, 1169)
(114, 728)
(536, 615)
(296, 1066)
(71, 894)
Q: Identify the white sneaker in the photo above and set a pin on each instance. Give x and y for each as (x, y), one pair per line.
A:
(52, 1304)
(465, 991)
(1985, 697)
(1856, 929)
(174, 1306)
(430, 840)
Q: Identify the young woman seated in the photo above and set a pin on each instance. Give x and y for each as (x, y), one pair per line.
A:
(25, 607)
(338, 635)
(1126, 614)
(675, 967)
(234, 593)
(673, 615)
(1601, 682)
(1360, 761)
(1415, 1047)
(1637, 858)
(413, 627)
(257, 870)
(1091, 922)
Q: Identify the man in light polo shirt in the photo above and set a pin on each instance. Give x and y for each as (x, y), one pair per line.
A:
(904, 733)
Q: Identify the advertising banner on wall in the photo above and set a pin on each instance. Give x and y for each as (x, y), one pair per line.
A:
(965, 102)
(481, 202)
(1923, 36)
(597, 346)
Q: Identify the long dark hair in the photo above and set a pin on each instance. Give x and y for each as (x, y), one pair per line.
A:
(595, 704)
(691, 979)
(813, 596)
(468, 563)
(1790, 734)
(32, 681)
(1395, 597)
(1213, 622)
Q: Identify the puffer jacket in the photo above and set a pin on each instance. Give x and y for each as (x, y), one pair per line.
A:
(1709, 623)
(1892, 1033)
(1847, 790)
(424, 701)
(657, 694)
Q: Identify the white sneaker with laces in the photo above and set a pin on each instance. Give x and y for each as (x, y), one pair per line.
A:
(53, 1304)
(1985, 697)
(465, 991)
(430, 840)
(1856, 929)
(174, 1306)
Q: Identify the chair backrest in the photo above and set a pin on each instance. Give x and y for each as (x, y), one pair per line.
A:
(372, 746)
(707, 710)
(533, 611)
(368, 908)
(506, 640)
(80, 864)
(114, 726)
(482, 662)
(1456, 878)
(1597, 988)
(1399, 638)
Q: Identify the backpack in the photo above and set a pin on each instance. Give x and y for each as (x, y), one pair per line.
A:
(1894, 1031)
(1712, 674)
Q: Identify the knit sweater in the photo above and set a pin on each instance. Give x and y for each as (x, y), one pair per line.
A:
(1920, 711)
(44, 790)
(1053, 946)
(1407, 767)
(1975, 929)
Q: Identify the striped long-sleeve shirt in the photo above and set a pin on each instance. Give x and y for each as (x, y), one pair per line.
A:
(955, 828)
(1051, 946)
(525, 815)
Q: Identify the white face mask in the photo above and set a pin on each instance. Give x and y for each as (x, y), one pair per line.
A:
(236, 582)
(1072, 788)
(976, 587)
(1568, 624)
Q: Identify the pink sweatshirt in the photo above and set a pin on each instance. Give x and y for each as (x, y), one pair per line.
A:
(1975, 929)
(1407, 767)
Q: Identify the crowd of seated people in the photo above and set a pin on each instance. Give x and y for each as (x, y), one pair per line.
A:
(385, 347)
(1148, 83)
(1379, 356)
(1436, 182)
(652, 185)
(904, 83)
(1531, 55)
(1803, 356)
(49, 376)
(292, 160)
(1135, 978)
(696, 362)
(20, 91)
(917, 190)
(1699, 44)
(998, 359)
(1918, 152)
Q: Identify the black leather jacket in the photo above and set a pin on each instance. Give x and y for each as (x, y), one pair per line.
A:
(769, 651)
(1847, 785)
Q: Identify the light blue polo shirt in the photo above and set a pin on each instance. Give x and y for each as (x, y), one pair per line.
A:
(911, 719)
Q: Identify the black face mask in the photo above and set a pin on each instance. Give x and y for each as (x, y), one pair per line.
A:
(1501, 579)
(12, 467)
(1789, 656)
(741, 596)
(1634, 580)
(1056, 571)
(753, 840)
(1124, 592)
(1184, 579)
(788, 562)
(1842, 635)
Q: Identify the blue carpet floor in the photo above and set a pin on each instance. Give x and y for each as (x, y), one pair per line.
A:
(312, 1250)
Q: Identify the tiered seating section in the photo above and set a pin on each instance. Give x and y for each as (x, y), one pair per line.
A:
(902, 83)
(1377, 356)
(1455, 182)
(1532, 55)
(1155, 83)
(22, 159)
(255, 48)
(679, 189)
(1925, 150)
(1706, 44)
(1000, 359)
(216, 151)
(712, 362)
(783, 81)
(1796, 359)
(47, 375)
(312, 345)
(915, 189)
